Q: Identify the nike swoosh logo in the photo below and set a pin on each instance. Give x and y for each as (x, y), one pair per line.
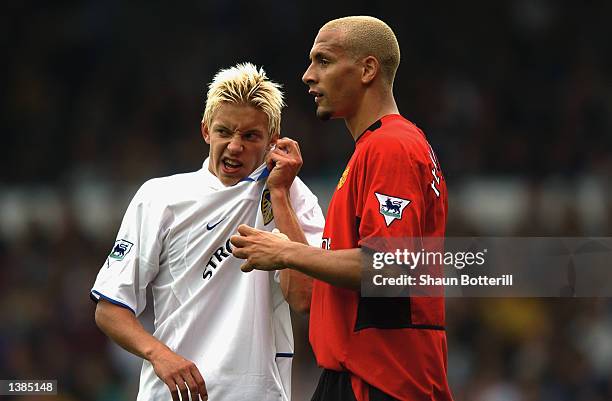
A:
(209, 227)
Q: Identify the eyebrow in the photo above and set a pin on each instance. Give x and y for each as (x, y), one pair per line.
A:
(319, 54)
(254, 130)
(218, 125)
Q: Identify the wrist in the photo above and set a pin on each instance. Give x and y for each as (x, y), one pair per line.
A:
(279, 194)
(287, 255)
(154, 351)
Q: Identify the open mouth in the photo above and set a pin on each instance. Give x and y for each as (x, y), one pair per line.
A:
(231, 166)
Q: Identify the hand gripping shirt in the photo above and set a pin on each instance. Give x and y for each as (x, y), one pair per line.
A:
(234, 326)
(392, 188)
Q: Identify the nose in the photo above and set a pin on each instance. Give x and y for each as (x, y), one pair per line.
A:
(235, 144)
(308, 77)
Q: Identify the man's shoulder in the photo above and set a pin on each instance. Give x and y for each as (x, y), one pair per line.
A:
(299, 190)
(398, 136)
(171, 189)
(400, 130)
(300, 185)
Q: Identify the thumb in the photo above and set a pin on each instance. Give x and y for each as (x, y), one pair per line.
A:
(246, 267)
(279, 234)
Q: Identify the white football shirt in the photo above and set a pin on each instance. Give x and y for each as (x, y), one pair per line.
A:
(234, 326)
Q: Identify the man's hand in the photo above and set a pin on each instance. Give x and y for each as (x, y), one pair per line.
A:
(174, 370)
(121, 325)
(270, 251)
(284, 163)
(261, 249)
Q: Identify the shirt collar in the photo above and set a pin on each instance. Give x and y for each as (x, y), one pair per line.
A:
(260, 173)
(376, 125)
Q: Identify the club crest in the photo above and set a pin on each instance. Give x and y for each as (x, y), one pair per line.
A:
(266, 207)
(343, 178)
(391, 207)
(121, 248)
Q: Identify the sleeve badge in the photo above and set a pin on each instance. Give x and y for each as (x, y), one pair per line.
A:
(343, 178)
(391, 207)
(121, 248)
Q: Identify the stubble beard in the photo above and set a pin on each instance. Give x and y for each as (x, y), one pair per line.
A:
(324, 115)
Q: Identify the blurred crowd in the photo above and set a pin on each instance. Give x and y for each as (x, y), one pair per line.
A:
(98, 96)
(117, 90)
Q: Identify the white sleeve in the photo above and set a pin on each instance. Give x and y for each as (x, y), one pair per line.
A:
(134, 258)
(308, 212)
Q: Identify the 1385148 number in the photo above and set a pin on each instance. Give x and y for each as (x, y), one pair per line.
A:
(30, 387)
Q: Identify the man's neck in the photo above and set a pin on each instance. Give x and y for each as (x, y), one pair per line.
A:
(371, 109)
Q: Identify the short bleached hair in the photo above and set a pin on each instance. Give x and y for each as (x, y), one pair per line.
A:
(369, 36)
(245, 84)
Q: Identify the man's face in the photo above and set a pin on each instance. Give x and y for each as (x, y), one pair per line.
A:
(239, 140)
(333, 76)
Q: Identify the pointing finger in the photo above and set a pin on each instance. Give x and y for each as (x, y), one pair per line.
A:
(245, 230)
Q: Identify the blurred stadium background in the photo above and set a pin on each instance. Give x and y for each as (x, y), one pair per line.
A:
(99, 96)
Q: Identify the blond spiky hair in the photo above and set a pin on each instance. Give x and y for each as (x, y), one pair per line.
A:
(369, 36)
(245, 84)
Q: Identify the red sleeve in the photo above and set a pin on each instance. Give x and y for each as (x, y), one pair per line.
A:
(391, 198)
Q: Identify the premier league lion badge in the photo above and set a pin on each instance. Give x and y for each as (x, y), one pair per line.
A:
(266, 207)
(391, 207)
(122, 247)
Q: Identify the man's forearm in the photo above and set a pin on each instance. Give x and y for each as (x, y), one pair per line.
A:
(178, 373)
(296, 287)
(284, 217)
(123, 328)
(341, 268)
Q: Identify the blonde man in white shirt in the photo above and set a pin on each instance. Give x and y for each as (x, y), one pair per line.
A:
(219, 333)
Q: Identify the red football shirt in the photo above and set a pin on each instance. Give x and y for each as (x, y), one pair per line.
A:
(395, 344)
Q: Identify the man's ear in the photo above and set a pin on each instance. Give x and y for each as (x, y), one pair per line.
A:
(205, 133)
(273, 140)
(371, 68)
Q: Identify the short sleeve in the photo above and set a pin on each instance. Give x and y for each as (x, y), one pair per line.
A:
(133, 261)
(393, 200)
(308, 212)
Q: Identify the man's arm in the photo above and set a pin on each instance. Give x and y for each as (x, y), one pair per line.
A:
(284, 163)
(121, 326)
(341, 268)
(296, 287)
(267, 251)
